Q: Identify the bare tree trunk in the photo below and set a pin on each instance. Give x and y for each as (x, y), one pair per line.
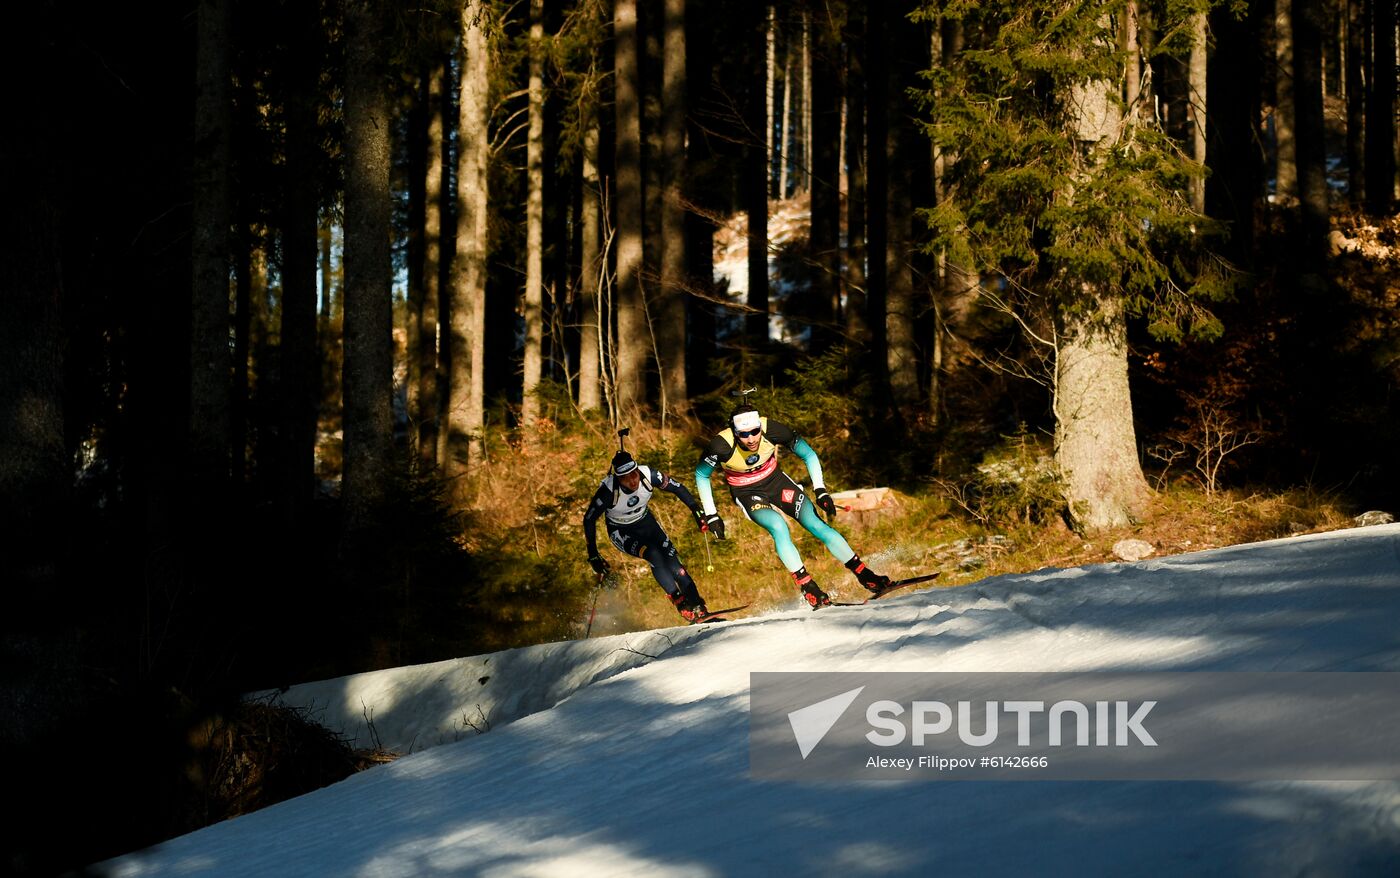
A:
(242, 324)
(825, 136)
(904, 151)
(754, 182)
(429, 403)
(770, 72)
(632, 331)
(1285, 115)
(855, 317)
(1095, 444)
(1380, 111)
(670, 331)
(209, 433)
(460, 438)
(784, 139)
(1236, 181)
(39, 640)
(1310, 150)
(416, 146)
(1197, 106)
(534, 223)
(804, 180)
(877, 68)
(591, 268)
(1133, 53)
(1356, 100)
(651, 23)
(368, 304)
(300, 357)
(324, 244)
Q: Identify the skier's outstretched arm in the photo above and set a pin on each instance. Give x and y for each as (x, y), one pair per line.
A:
(596, 508)
(809, 457)
(666, 483)
(814, 469)
(707, 518)
(702, 485)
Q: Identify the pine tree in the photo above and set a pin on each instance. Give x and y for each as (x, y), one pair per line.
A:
(368, 302)
(1080, 210)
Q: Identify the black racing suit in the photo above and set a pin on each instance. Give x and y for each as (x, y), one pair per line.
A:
(635, 531)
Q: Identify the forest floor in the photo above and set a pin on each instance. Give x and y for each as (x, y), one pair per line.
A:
(919, 535)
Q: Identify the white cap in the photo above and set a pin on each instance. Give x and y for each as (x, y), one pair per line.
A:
(746, 421)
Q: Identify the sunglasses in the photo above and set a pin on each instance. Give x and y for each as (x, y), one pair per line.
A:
(747, 433)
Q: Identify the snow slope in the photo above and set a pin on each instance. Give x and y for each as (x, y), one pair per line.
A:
(629, 754)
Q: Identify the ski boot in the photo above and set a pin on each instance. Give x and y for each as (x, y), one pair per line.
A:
(811, 592)
(869, 579)
(691, 611)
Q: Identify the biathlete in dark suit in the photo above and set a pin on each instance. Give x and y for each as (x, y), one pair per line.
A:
(622, 500)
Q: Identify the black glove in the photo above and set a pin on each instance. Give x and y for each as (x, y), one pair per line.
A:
(712, 523)
(825, 503)
(599, 564)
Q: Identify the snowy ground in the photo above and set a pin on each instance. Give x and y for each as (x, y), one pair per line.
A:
(628, 755)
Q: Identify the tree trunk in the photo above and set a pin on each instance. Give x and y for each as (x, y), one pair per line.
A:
(1133, 57)
(1095, 443)
(325, 243)
(671, 330)
(242, 324)
(368, 386)
(1197, 105)
(1380, 111)
(1355, 100)
(591, 267)
(825, 236)
(877, 137)
(633, 334)
(784, 138)
(416, 220)
(434, 189)
(1236, 179)
(706, 177)
(804, 179)
(39, 642)
(857, 328)
(300, 358)
(754, 183)
(534, 223)
(1309, 133)
(903, 153)
(209, 429)
(460, 437)
(770, 72)
(1285, 115)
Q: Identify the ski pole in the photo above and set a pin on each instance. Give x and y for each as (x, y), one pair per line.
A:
(709, 566)
(596, 590)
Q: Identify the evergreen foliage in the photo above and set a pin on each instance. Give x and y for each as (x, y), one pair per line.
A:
(1043, 210)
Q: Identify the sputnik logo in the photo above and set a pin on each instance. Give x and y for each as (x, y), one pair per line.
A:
(811, 723)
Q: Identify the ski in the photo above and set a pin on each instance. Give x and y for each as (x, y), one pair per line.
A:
(893, 586)
(714, 615)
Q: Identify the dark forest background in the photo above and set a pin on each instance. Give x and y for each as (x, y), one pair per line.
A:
(319, 319)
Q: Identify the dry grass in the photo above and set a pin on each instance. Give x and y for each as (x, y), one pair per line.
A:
(921, 536)
(534, 494)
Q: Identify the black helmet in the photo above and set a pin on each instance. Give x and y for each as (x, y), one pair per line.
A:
(622, 463)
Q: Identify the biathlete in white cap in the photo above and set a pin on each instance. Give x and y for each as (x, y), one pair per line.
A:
(747, 453)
